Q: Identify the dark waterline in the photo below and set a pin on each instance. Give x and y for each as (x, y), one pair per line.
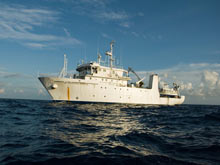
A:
(46, 132)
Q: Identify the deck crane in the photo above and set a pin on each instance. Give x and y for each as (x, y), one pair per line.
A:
(140, 82)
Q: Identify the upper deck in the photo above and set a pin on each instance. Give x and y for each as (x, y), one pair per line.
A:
(96, 69)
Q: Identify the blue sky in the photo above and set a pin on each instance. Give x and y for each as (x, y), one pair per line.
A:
(179, 40)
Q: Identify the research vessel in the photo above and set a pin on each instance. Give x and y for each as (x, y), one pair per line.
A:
(98, 82)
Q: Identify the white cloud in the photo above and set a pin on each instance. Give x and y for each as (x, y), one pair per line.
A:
(166, 75)
(2, 90)
(125, 24)
(154, 37)
(41, 92)
(217, 52)
(200, 83)
(135, 34)
(106, 36)
(211, 78)
(18, 91)
(18, 23)
(187, 86)
(21, 86)
(95, 3)
(209, 83)
(112, 15)
(195, 80)
(199, 65)
(101, 11)
(159, 37)
(205, 66)
(36, 45)
(67, 32)
(140, 14)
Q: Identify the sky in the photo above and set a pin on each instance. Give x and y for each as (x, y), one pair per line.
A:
(179, 40)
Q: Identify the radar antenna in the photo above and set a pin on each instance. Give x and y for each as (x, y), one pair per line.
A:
(176, 88)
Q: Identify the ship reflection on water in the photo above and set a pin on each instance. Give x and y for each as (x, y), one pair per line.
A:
(93, 127)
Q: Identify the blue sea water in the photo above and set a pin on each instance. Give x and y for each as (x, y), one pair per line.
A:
(46, 132)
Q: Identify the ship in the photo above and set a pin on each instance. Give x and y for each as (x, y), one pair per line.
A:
(99, 82)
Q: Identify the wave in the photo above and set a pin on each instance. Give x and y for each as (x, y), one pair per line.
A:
(46, 132)
(108, 160)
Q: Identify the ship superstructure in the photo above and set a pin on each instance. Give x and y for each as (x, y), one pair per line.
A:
(96, 82)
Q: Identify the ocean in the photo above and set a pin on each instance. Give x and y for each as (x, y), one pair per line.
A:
(47, 132)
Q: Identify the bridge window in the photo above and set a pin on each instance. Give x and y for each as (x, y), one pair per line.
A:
(95, 70)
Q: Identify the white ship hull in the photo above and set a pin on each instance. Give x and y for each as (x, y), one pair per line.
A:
(96, 82)
(80, 90)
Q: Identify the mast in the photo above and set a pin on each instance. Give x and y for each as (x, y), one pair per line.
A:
(110, 53)
(63, 72)
(99, 58)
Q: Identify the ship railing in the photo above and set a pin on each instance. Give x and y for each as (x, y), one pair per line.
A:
(69, 75)
(114, 66)
(102, 63)
(47, 75)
